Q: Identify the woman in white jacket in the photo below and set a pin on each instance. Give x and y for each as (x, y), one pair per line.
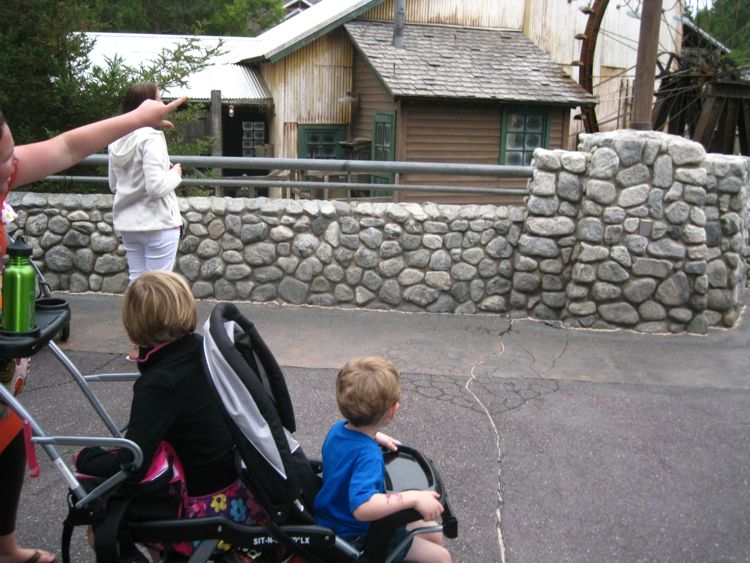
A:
(145, 211)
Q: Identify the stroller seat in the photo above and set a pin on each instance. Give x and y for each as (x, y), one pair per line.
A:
(252, 391)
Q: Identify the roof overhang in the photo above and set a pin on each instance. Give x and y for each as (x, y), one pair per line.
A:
(304, 28)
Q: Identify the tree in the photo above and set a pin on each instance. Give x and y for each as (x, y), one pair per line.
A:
(48, 85)
(729, 22)
(40, 66)
(47, 82)
(200, 17)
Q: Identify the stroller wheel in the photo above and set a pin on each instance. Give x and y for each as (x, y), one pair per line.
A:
(65, 333)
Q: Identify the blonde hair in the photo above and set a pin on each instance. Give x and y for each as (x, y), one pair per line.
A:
(366, 388)
(158, 307)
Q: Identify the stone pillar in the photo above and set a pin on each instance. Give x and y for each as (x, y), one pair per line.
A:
(651, 220)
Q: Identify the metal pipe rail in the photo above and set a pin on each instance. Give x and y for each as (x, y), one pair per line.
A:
(325, 167)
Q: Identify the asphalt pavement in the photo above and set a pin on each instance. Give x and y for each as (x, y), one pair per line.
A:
(554, 444)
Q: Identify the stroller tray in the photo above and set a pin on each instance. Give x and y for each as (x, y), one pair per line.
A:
(49, 322)
(407, 470)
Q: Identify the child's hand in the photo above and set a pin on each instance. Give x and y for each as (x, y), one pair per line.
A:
(428, 505)
(387, 442)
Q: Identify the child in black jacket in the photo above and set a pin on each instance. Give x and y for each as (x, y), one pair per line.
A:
(172, 402)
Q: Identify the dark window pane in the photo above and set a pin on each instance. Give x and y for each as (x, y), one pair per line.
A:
(514, 158)
(534, 122)
(515, 122)
(533, 140)
(515, 141)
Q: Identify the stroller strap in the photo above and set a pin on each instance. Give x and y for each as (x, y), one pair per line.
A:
(106, 525)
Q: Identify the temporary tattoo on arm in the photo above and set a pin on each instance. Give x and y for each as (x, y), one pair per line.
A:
(394, 498)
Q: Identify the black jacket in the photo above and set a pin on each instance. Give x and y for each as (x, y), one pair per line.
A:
(172, 401)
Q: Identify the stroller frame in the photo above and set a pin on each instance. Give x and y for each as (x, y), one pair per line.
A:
(292, 525)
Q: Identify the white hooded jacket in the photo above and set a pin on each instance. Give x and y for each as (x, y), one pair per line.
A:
(143, 183)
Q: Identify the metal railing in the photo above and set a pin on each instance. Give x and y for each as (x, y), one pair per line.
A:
(298, 172)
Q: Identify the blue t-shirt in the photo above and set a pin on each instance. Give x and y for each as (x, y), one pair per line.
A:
(353, 471)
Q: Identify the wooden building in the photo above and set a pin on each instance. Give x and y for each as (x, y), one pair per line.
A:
(474, 81)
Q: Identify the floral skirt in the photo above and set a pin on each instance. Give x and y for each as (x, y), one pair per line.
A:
(234, 502)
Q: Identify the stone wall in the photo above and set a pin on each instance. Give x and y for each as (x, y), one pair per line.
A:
(637, 229)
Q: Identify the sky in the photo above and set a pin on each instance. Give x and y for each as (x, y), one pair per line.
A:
(700, 4)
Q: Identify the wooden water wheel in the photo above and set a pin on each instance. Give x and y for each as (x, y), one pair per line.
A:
(700, 95)
(705, 99)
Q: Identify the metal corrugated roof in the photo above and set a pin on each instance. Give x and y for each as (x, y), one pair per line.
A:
(465, 63)
(303, 28)
(238, 83)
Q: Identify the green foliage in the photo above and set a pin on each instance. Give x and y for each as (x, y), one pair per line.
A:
(41, 68)
(201, 17)
(48, 85)
(729, 22)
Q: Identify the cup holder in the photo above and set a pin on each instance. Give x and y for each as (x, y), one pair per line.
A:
(51, 303)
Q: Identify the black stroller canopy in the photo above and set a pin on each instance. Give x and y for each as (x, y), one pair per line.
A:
(234, 367)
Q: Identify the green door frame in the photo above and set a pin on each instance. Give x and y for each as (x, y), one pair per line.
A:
(383, 143)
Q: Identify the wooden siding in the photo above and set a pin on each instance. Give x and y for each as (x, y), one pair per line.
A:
(506, 14)
(307, 87)
(460, 132)
(551, 25)
(372, 97)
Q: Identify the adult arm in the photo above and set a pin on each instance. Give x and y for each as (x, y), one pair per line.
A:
(41, 159)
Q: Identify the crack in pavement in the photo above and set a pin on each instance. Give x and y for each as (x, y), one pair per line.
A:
(472, 377)
(507, 395)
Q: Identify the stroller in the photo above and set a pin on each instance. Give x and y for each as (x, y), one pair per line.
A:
(250, 387)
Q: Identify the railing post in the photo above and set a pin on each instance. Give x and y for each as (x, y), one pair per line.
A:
(216, 133)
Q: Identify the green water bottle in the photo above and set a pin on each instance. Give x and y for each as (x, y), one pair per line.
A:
(19, 289)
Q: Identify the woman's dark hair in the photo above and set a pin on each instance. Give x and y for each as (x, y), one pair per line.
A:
(137, 94)
(2, 122)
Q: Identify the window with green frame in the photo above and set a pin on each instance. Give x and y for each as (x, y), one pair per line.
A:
(321, 141)
(524, 129)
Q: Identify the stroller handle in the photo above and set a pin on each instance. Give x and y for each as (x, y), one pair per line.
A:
(84, 498)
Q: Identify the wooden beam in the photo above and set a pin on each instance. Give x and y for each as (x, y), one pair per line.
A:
(728, 131)
(707, 122)
(645, 66)
(744, 127)
(735, 89)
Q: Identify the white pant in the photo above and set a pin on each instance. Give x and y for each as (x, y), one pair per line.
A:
(150, 250)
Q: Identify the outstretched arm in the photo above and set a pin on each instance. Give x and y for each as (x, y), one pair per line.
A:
(41, 159)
